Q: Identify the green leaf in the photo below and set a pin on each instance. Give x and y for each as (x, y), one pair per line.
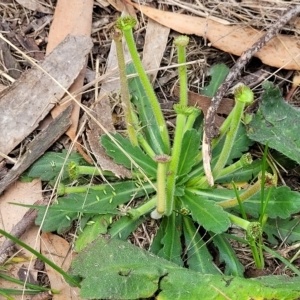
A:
(190, 149)
(156, 244)
(149, 127)
(48, 167)
(122, 228)
(286, 230)
(277, 123)
(227, 255)
(199, 259)
(171, 242)
(145, 162)
(207, 213)
(127, 272)
(59, 221)
(96, 226)
(218, 74)
(61, 214)
(283, 202)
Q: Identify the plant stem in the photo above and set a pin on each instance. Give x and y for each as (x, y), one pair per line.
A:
(117, 36)
(75, 171)
(162, 161)
(143, 209)
(172, 172)
(62, 189)
(254, 237)
(243, 95)
(181, 42)
(245, 160)
(252, 190)
(126, 24)
(191, 118)
(182, 112)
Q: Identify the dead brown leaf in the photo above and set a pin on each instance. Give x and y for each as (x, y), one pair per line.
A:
(75, 19)
(281, 52)
(27, 101)
(155, 45)
(10, 215)
(57, 250)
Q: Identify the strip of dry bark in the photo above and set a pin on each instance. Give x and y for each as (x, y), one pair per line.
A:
(38, 146)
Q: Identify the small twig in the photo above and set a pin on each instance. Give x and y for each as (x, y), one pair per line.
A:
(210, 129)
(19, 229)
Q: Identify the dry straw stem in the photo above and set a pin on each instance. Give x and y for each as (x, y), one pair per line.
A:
(210, 129)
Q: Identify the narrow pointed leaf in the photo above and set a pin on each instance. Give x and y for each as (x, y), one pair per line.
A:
(149, 126)
(145, 162)
(122, 228)
(189, 151)
(199, 259)
(218, 74)
(227, 255)
(171, 242)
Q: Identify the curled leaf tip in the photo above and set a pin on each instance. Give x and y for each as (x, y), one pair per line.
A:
(243, 94)
(181, 41)
(126, 23)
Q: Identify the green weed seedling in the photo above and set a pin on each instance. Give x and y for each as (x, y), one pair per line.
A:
(168, 181)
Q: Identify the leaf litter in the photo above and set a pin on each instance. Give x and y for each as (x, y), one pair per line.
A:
(230, 13)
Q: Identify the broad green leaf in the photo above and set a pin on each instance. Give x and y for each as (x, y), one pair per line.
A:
(227, 255)
(59, 221)
(198, 257)
(149, 126)
(101, 201)
(171, 242)
(122, 228)
(218, 74)
(207, 213)
(145, 162)
(283, 229)
(116, 269)
(50, 164)
(277, 123)
(96, 226)
(189, 151)
(283, 202)
(93, 202)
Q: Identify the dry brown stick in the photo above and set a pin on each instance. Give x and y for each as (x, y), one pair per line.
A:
(210, 128)
(19, 229)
